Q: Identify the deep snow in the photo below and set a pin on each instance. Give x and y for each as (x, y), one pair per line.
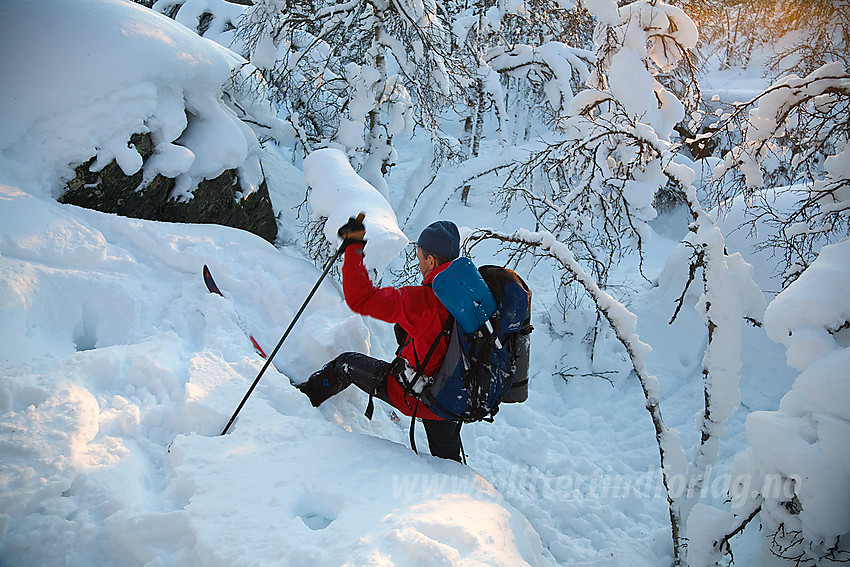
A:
(119, 369)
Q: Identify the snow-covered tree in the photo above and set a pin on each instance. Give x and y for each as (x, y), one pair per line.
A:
(531, 59)
(810, 35)
(733, 30)
(794, 147)
(351, 75)
(524, 68)
(594, 185)
(357, 74)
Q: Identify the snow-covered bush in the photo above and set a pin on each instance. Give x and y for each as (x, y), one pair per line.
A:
(797, 468)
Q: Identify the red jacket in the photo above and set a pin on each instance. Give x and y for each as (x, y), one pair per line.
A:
(415, 308)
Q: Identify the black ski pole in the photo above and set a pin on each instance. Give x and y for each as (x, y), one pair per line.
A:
(333, 259)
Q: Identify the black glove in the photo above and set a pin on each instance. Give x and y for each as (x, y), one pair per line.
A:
(352, 232)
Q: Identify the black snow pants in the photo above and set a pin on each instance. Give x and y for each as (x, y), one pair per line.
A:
(370, 375)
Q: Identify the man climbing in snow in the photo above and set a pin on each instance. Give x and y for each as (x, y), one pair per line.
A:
(419, 317)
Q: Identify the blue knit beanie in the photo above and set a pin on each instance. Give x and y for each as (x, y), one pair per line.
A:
(442, 239)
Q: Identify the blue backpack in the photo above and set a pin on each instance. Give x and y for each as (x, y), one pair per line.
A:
(488, 343)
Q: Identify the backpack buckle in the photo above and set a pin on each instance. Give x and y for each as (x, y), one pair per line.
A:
(411, 380)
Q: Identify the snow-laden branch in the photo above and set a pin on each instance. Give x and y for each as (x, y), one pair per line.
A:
(796, 134)
(729, 297)
(624, 324)
(770, 117)
(553, 62)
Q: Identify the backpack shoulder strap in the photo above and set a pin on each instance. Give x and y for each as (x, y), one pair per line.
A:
(446, 331)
